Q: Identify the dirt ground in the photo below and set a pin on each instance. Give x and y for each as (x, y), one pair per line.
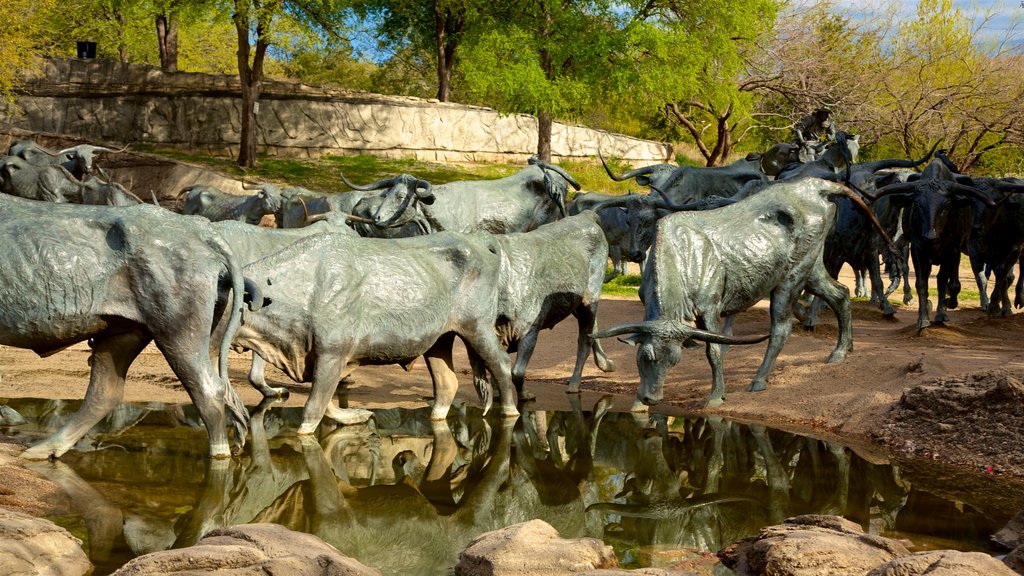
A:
(969, 412)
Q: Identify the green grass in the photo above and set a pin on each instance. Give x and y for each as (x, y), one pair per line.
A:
(322, 174)
(627, 285)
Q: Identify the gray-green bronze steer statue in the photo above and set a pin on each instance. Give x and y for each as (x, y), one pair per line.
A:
(251, 243)
(336, 302)
(120, 277)
(707, 266)
(546, 275)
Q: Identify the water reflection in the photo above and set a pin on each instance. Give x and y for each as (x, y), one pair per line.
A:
(406, 495)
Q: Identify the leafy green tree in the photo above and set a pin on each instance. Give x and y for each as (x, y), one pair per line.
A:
(545, 58)
(21, 41)
(434, 27)
(258, 25)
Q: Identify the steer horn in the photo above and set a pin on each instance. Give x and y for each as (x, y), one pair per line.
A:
(841, 190)
(675, 330)
(368, 187)
(626, 176)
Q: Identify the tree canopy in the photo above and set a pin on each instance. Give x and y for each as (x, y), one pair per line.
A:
(720, 75)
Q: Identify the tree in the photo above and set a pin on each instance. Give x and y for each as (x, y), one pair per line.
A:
(434, 27)
(690, 61)
(902, 84)
(21, 41)
(547, 58)
(257, 20)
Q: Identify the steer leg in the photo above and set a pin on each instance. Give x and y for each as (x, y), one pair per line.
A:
(110, 359)
(485, 344)
(586, 319)
(978, 269)
(714, 354)
(922, 271)
(258, 380)
(781, 310)
(527, 344)
(878, 287)
(442, 373)
(948, 286)
(326, 376)
(837, 297)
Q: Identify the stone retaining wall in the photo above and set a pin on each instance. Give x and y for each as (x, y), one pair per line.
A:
(106, 101)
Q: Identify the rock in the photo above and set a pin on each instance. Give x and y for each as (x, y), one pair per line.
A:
(943, 563)
(1015, 560)
(1012, 535)
(30, 546)
(811, 545)
(532, 548)
(10, 417)
(250, 549)
(350, 416)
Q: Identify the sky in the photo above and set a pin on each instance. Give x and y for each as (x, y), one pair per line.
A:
(1002, 14)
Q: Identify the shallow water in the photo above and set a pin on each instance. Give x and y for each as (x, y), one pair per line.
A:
(406, 495)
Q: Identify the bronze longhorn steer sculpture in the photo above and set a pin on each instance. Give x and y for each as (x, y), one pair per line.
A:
(120, 278)
(707, 266)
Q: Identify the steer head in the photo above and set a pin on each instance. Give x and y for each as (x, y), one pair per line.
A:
(399, 199)
(660, 346)
(935, 202)
(269, 197)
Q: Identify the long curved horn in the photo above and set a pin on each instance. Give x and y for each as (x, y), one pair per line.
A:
(631, 174)
(611, 203)
(859, 202)
(560, 171)
(152, 194)
(677, 330)
(892, 163)
(972, 191)
(419, 183)
(368, 187)
(897, 188)
(324, 216)
(398, 213)
(668, 204)
(247, 186)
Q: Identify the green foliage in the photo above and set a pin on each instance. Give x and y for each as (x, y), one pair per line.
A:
(21, 40)
(627, 285)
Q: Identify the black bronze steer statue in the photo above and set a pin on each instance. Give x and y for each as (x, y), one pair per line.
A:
(120, 277)
(706, 266)
(337, 302)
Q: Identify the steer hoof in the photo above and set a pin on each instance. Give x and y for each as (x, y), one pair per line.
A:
(837, 356)
(757, 386)
(509, 412)
(526, 396)
(639, 406)
(713, 402)
(42, 451)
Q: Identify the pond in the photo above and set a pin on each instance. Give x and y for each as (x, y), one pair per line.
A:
(406, 495)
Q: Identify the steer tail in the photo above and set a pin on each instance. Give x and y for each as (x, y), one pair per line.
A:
(236, 410)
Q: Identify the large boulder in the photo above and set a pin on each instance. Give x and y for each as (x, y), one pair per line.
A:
(811, 545)
(32, 546)
(250, 550)
(1015, 560)
(1012, 535)
(532, 548)
(944, 563)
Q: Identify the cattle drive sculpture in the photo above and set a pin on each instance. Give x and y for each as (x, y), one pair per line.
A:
(337, 302)
(120, 278)
(707, 266)
(518, 203)
(546, 275)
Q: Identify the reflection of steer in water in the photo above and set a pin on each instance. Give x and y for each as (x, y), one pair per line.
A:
(706, 266)
(339, 302)
(120, 277)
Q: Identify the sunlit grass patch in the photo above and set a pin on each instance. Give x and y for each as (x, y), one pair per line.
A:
(627, 285)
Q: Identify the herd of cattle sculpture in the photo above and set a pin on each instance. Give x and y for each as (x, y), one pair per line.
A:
(493, 262)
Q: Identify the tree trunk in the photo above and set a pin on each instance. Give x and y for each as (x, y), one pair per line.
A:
(444, 72)
(167, 40)
(544, 136)
(251, 79)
